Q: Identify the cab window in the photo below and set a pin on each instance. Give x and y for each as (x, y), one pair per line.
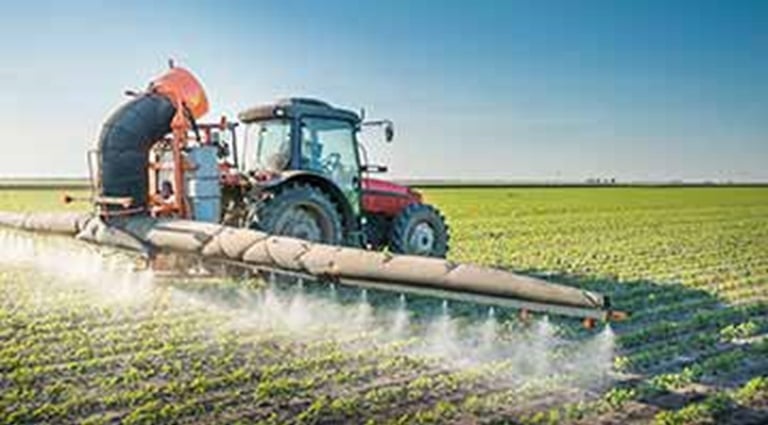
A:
(328, 148)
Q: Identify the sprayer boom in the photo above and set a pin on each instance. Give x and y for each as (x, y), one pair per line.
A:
(350, 266)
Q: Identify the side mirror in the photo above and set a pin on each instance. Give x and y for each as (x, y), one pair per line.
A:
(389, 132)
(389, 128)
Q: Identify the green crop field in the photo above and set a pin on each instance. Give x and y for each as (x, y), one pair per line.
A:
(86, 340)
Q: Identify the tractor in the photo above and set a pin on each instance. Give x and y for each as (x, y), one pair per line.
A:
(302, 161)
(299, 173)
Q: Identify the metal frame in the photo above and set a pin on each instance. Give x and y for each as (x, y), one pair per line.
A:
(178, 140)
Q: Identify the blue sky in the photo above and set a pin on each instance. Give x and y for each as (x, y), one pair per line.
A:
(525, 90)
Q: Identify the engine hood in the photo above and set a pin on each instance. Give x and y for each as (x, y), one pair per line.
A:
(388, 187)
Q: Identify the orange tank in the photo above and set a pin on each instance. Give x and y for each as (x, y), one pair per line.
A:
(180, 85)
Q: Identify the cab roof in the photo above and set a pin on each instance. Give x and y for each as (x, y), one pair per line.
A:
(296, 107)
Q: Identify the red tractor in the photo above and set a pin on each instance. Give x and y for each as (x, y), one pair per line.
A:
(300, 174)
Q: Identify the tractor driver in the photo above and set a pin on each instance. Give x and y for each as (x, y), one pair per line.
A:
(311, 150)
(269, 135)
(278, 161)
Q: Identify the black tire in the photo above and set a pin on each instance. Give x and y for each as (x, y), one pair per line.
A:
(300, 211)
(377, 229)
(404, 239)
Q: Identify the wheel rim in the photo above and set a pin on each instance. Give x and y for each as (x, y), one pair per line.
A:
(422, 239)
(301, 223)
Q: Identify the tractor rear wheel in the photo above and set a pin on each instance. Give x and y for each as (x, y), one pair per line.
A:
(419, 229)
(300, 211)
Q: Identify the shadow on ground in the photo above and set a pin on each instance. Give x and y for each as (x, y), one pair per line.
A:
(682, 346)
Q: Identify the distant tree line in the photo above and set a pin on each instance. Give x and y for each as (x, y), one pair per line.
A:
(601, 181)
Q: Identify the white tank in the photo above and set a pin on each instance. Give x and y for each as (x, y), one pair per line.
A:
(203, 189)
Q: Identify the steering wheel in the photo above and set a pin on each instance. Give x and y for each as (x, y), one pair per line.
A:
(331, 163)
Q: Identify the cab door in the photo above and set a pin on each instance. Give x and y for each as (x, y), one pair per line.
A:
(328, 148)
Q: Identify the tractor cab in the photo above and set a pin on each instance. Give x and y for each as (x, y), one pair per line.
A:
(304, 135)
(303, 160)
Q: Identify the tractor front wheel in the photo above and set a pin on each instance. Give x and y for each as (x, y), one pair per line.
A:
(300, 211)
(419, 229)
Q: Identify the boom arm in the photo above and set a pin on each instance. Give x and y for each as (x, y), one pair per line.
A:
(401, 273)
